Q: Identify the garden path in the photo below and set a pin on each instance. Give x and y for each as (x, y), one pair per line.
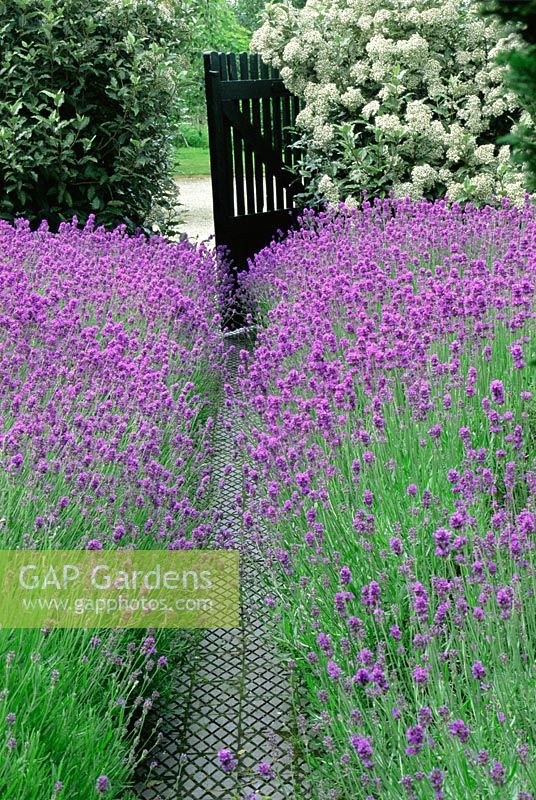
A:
(234, 691)
(195, 198)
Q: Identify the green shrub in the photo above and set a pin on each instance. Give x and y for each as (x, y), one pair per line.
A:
(193, 136)
(88, 92)
(522, 77)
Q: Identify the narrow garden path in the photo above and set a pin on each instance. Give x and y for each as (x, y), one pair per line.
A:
(195, 198)
(234, 692)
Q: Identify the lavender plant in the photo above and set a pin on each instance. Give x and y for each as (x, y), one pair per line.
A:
(390, 484)
(110, 364)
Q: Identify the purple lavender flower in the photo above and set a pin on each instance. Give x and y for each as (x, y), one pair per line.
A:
(363, 748)
(264, 769)
(478, 671)
(324, 641)
(442, 539)
(420, 675)
(148, 646)
(370, 595)
(395, 543)
(395, 632)
(497, 392)
(436, 778)
(362, 676)
(94, 544)
(103, 784)
(333, 670)
(345, 576)
(368, 497)
(425, 716)
(505, 600)
(435, 431)
(227, 760)
(459, 729)
(415, 737)
(518, 355)
(498, 774)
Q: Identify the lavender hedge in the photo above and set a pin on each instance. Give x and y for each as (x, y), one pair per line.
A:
(110, 372)
(390, 482)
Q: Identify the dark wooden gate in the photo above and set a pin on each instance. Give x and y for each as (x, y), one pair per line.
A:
(250, 119)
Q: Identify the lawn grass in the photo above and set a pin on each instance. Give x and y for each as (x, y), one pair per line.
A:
(192, 161)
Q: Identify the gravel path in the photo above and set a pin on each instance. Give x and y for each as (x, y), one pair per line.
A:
(195, 198)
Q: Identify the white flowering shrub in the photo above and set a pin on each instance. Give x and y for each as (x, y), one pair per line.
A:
(401, 95)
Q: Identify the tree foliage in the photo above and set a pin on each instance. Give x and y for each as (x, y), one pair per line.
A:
(215, 26)
(522, 75)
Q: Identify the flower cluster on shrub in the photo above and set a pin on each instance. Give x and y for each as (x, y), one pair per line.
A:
(400, 96)
(391, 485)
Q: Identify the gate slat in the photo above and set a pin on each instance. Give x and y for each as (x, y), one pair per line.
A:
(287, 152)
(256, 120)
(221, 174)
(278, 146)
(227, 146)
(248, 152)
(267, 133)
(238, 146)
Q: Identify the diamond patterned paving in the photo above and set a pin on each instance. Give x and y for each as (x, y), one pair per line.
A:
(234, 692)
